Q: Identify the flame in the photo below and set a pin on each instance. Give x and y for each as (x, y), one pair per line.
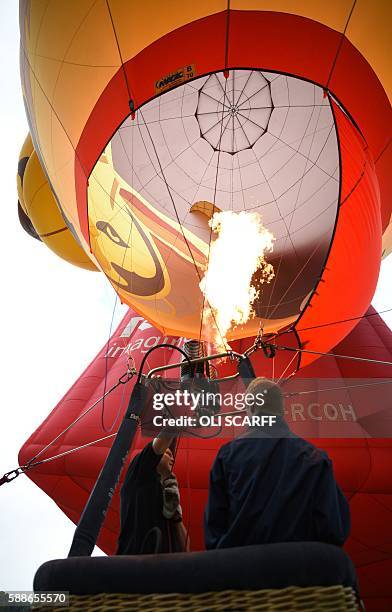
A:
(235, 255)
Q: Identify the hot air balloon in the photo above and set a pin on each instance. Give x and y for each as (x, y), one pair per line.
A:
(39, 213)
(144, 123)
(143, 135)
(362, 460)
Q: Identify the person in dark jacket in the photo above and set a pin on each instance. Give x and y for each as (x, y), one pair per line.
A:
(150, 510)
(270, 485)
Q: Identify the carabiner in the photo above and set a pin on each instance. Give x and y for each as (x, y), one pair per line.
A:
(8, 476)
(268, 350)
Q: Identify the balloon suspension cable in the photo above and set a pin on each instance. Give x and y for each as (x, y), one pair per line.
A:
(269, 349)
(123, 379)
(343, 387)
(131, 371)
(337, 322)
(126, 377)
(9, 476)
(323, 354)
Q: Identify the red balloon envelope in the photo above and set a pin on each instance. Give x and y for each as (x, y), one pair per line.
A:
(362, 460)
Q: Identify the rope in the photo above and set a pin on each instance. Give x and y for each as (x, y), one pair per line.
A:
(113, 424)
(64, 453)
(121, 381)
(344, 387)
(352, 357)
(342, 37)
(365, 316)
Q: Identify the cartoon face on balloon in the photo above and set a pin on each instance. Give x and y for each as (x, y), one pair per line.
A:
(144, 254)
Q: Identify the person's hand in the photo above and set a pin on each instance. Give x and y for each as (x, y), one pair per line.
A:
(171, 498)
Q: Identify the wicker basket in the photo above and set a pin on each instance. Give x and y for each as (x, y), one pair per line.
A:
(326, 599)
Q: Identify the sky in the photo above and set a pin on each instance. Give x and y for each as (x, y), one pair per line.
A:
(54, 319)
